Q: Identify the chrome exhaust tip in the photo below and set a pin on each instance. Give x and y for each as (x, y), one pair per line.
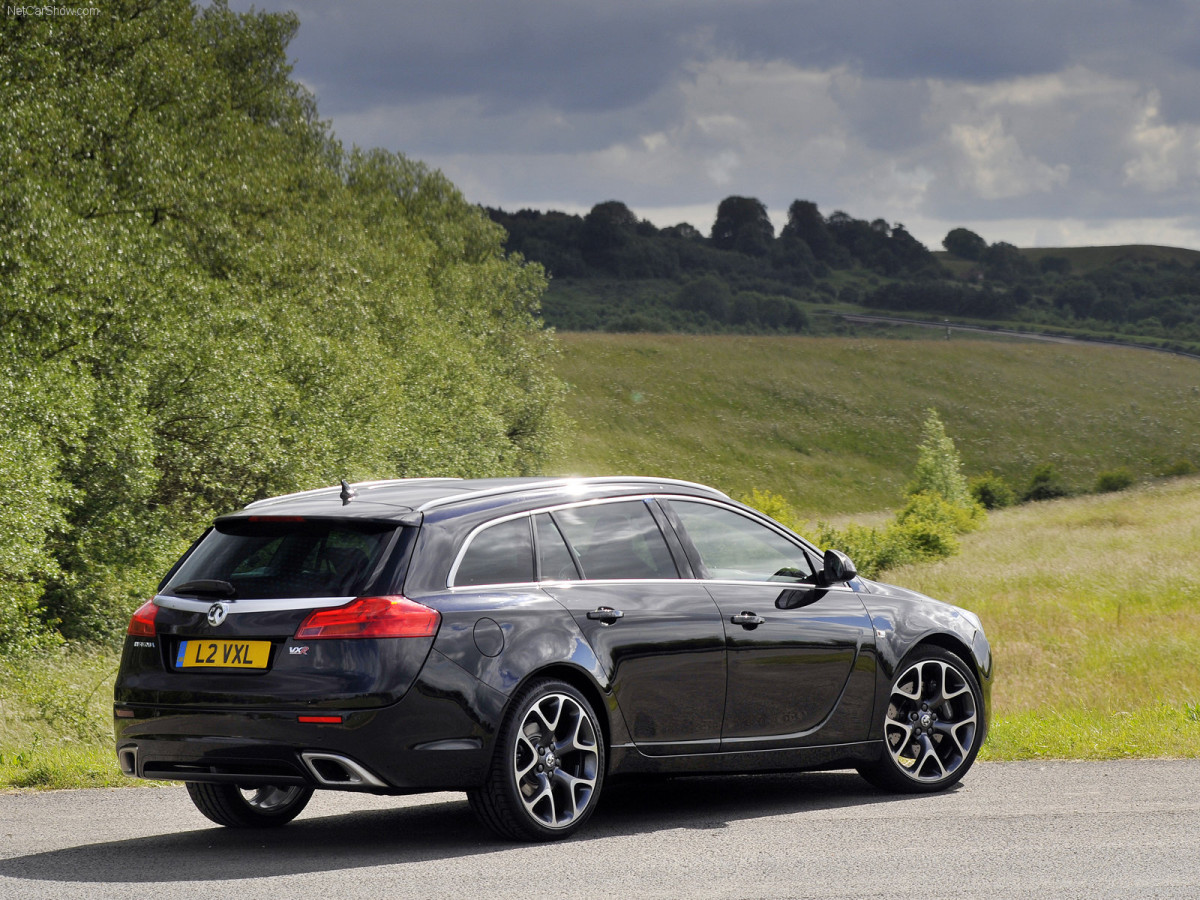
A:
(334, 770)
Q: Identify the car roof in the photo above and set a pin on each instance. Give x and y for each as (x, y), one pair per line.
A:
(403, 497)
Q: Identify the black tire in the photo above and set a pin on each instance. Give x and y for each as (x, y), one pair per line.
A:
(548, 767)
(933, 724)
(258, 807)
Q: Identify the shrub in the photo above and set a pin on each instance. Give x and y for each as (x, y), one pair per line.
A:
(872, 549)
(991, 491)
(1045, 484)
(935, 509)
(773, 505)
(1113, 480)
(1179, 468)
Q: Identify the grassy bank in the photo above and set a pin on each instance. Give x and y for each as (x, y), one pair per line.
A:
(1092, 605)
(56, 719)
(833, 423)
(1093, 609)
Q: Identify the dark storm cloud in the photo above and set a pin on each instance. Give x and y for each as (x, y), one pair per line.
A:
(566, 55)
(607, 55)
(931, 111)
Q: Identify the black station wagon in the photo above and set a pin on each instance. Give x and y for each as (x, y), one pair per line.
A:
(525, 640)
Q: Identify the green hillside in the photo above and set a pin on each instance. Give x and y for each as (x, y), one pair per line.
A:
(832, 423)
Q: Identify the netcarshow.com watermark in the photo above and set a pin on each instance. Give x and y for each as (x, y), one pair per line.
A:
(28, 11)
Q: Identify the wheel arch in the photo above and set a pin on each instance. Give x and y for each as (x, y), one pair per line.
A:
(954, 644)
(603, 703)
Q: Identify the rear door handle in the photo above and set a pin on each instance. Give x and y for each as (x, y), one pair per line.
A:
(747, 619)
(605, 614)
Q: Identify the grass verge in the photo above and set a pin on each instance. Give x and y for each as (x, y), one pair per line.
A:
(1092, 606)
(56, 719)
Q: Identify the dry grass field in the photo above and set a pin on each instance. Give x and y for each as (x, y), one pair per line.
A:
(1092, 605)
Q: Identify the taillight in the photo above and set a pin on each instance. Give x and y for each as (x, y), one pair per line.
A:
(142, 623)
(371, 617)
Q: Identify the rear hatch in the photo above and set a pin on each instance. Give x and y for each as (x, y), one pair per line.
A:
(281, 612)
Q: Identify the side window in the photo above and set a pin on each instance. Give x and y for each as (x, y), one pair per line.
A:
(500, 554)
(555, 562)
(737, 548)
(617, 540)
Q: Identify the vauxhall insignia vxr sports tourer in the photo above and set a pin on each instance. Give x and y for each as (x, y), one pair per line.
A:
(525, 640)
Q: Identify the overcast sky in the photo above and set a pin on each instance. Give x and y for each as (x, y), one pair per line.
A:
(1039, 122)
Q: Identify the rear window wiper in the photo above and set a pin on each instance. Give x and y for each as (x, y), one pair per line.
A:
(205, 587)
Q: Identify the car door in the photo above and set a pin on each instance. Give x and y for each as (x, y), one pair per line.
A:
(800, 656)
(659, 637)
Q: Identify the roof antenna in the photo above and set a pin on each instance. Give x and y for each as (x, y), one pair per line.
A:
(348, 493)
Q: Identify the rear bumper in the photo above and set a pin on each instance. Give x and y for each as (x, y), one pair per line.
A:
(439, 737)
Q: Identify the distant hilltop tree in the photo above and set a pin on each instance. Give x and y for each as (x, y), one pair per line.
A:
(742, 224)
(965, 243)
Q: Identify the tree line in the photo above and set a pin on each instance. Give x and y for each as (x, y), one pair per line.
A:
(205, 299)
(742, 276)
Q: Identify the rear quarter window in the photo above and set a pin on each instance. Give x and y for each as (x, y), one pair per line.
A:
(499, 554)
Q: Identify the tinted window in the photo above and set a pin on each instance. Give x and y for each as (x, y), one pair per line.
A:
(286, 559)
(500, 554)
(555, 562)
(735, 547)
(617, 540)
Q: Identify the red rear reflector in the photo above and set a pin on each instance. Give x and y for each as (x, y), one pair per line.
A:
(320, 720)
(371, 617)
(142, 623)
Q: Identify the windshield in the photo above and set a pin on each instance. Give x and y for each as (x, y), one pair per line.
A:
(282, 559)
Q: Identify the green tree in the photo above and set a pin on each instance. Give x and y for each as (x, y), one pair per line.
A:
(939, 468)
(742, 224)
(205, 300)
(964, 243)
(806, 223)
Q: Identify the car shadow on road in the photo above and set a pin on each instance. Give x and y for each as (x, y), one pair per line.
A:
(433, 831)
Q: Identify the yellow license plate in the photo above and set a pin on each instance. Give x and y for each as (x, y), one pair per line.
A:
(223, 654)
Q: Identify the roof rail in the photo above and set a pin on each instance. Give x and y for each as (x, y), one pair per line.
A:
(268, 501)
(559, 482)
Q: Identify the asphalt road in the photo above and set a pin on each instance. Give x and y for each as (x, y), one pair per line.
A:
(1029, 830)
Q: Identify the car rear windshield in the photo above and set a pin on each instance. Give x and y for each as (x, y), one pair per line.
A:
(283, 559)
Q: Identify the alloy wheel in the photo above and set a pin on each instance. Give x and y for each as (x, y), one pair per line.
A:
(932, 721)
(556, 760)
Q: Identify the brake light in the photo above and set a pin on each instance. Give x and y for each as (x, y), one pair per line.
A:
(371, 617)
(142, 623)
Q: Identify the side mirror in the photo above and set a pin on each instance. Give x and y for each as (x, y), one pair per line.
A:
(838, 568)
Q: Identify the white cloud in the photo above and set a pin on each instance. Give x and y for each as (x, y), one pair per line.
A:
(993, 165)
(1162, 155)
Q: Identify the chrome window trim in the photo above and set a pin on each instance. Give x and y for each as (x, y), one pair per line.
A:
(576, 504)
(596, 501)
(280, 604)
(561, 583)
